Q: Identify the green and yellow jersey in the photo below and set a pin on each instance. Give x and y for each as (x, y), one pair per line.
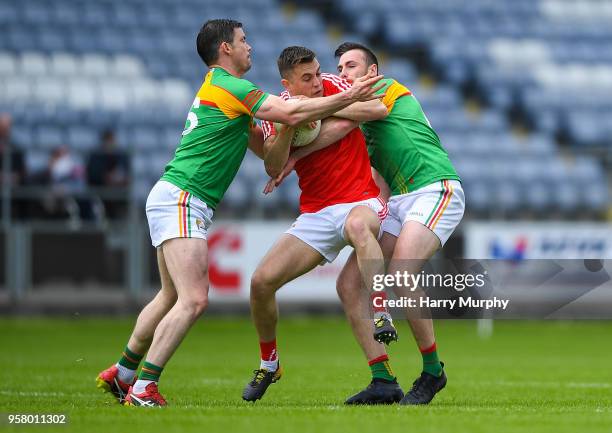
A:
(403, 147)
(216, 136)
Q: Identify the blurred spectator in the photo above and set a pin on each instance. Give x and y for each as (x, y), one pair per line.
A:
(64, 170)
(65, 177)
(18, 171)
(110, 167)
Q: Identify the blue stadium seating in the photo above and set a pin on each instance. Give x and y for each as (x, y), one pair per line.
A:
(117, 62)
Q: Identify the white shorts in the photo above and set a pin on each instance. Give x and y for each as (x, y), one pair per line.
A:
(324, 230)
(438, 206)
(174, 213)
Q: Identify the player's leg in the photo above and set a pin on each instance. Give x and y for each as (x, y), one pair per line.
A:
(384, 387)
(429, 217)
(119, 377)
(361, 230)
(186, 260)
(415, 245)
(152, 314)
(289, 258)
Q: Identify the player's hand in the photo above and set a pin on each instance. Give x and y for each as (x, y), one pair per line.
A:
(275, 182)
(363, 88)
(312, 125)
(269, 186)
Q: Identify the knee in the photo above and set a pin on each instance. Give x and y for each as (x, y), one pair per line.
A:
(199, 305)
(196, 304)
(263, 284)
(357, 231)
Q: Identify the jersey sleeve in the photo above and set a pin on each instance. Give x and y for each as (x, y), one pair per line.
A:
(268, 129)
(394, 91)
(334, 84)
(249, 96)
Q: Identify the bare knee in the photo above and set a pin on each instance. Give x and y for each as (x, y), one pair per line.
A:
(196, 304)
(357, 231)
(263, 284)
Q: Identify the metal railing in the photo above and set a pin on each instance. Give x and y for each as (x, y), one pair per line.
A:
(18, 233)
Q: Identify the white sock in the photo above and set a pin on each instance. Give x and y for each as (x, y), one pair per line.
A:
(140, 385)
(269, 365)
(124, 374)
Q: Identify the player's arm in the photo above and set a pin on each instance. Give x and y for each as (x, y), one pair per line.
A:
(275, 109)
(385, 190)
(256, 141)
(332, 130)
(364, 111)
(276, 150)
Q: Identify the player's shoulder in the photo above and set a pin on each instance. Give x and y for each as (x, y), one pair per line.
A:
(284, 95)
(335, 81)
(222, 78)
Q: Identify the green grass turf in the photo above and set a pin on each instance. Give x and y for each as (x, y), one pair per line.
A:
(528, 377)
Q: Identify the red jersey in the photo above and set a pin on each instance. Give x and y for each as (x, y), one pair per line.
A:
(339, 173)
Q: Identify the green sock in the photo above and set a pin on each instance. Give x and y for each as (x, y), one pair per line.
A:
(150, 372)
(130, 359)
(380, 368)
(431, 362)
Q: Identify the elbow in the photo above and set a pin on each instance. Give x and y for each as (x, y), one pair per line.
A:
(345, 125)
(272, 171)
(380, 113)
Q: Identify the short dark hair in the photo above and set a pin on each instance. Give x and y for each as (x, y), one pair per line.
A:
(292, 56)
(211, 35)
(348, 46)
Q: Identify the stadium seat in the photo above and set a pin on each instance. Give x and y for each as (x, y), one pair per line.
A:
(142, 138)
(65, 13)
(93, 65)
(64, 65)
(82, 95)
(82, 139)
(49, 137)
(33, 64)
(123, 65)
(8, 13)
(49, 90)
(52, 39)
(35, 13)
(17, 89)
(113, 95)
(8, 64)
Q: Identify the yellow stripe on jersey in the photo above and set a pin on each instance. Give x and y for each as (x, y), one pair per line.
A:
(210, 94)
(393, 92)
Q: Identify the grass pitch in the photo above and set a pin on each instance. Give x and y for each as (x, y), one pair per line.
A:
(528, 377)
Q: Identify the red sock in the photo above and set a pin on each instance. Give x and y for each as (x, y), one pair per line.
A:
(381, 358)
(377, 299)
(268, 350)
(428, 350)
